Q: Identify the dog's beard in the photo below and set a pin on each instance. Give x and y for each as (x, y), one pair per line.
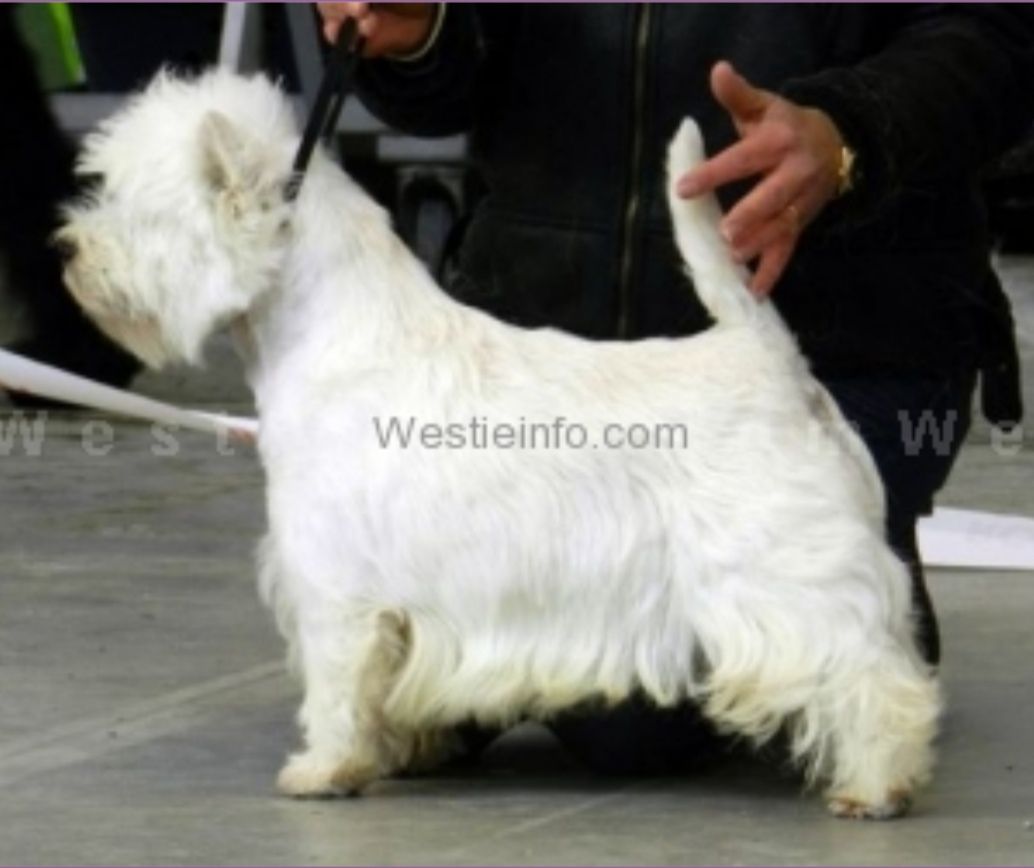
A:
(140, 335)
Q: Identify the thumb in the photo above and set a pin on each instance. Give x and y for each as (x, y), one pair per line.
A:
(737, 95)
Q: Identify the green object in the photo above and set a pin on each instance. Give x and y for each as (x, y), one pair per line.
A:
(48, 31)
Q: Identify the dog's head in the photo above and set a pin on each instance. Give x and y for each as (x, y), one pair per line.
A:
(186, 223)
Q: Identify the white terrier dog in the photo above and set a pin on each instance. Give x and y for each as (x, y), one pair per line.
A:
(418, 587)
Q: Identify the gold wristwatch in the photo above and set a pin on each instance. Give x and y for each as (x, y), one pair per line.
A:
(847, 174)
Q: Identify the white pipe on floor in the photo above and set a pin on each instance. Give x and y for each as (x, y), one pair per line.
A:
(20, 374)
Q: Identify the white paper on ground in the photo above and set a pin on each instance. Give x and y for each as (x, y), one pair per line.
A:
(20, 374)
(969, 539)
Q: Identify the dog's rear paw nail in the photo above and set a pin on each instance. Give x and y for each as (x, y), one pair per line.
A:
(895, 805)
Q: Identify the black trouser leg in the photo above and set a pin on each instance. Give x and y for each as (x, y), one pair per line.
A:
(928, 634)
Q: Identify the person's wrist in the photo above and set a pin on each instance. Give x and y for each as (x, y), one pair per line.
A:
(842, 158)
(427, 43)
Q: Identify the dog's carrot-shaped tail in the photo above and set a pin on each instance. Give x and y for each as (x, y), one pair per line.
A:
(720, 282)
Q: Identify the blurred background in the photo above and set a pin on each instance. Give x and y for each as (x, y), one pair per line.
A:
(66, 66)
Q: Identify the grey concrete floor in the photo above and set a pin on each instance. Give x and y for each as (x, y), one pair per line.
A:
(144, 710)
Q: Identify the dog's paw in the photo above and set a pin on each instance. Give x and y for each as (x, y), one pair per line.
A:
(306, 777)
(896, 804)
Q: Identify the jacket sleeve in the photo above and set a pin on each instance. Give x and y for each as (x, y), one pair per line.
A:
(950, 88)
(435, 95)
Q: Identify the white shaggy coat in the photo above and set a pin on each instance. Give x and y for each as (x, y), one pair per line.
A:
(420, 587)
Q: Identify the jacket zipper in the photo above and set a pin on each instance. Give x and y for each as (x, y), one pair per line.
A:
(632, 202)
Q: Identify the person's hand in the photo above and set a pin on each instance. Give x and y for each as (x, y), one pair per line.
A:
(796, 152)
(388, 28)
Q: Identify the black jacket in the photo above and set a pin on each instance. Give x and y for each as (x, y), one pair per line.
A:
(570, 108)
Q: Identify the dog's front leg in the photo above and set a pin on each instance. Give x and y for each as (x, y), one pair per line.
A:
(349, 666)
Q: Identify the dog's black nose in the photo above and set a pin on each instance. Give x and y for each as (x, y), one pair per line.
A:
(66, 248)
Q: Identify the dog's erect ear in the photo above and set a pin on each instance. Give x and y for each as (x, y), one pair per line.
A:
(231, 159)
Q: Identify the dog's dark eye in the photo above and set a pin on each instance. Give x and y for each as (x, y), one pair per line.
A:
(90, 183)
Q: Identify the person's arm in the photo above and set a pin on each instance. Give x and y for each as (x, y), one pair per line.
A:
(948, 91)
(423, 62)
(953, 88)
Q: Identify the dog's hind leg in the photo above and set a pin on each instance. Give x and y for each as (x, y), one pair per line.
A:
(349, 670)
(860, 708)
(882, 719)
